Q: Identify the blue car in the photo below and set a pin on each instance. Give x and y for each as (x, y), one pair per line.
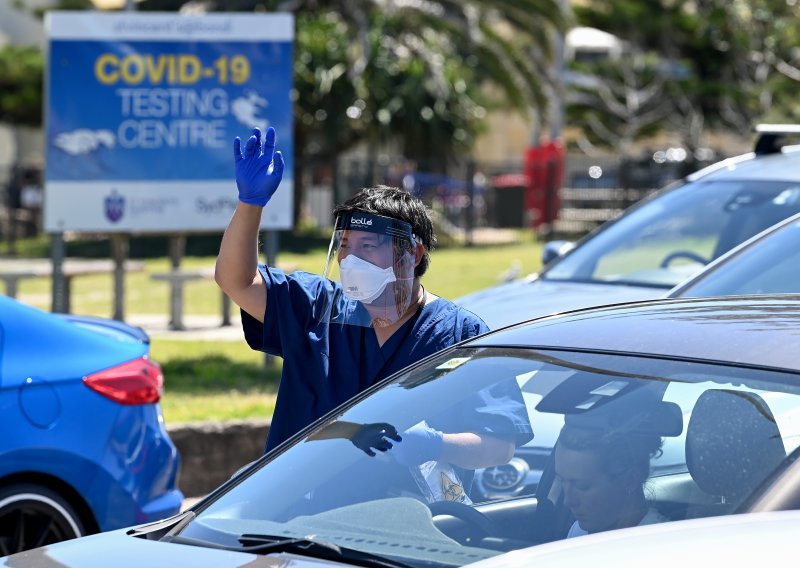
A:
(84, 446)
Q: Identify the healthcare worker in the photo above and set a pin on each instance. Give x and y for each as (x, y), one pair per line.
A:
(365, 318)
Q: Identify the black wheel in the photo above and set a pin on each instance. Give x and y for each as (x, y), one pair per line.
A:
(478, 525)
(682, 254)
(32, 516)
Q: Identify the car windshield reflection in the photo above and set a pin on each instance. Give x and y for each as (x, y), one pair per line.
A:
(680, 440)
(664, 241)
(769, 266)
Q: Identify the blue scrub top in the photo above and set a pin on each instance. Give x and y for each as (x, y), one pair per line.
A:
(327, 364)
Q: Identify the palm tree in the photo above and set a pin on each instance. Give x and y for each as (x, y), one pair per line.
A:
(506, 44)
(420, 73)
(415, 73)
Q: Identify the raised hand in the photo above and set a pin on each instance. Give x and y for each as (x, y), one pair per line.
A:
(259, 169)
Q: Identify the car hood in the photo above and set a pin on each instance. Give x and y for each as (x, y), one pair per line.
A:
(533, 297)
(118, 549)
(755, 539)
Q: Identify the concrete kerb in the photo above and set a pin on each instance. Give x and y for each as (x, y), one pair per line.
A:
(210, 451)
(213, 451)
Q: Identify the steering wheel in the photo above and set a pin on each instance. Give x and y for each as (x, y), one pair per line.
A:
(479, 525)
(682, 254)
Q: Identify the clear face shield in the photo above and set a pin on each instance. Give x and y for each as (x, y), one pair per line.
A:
(372, 258)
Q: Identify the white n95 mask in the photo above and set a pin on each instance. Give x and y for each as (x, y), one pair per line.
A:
(362, 293)
(362, 280)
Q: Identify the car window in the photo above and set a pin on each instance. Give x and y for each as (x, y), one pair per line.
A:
(602, 442)
(770, 266)
(671, 237)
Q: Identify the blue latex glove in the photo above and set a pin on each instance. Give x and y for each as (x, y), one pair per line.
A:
(417, 445)
(259, 170)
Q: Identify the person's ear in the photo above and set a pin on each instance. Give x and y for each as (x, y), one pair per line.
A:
(419, 252)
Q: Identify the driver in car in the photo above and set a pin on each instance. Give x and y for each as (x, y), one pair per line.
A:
(603, 474)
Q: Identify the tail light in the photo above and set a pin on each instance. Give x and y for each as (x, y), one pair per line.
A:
(136, 382)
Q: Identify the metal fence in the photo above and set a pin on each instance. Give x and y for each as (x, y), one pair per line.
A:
(497, 194)
(464, 196)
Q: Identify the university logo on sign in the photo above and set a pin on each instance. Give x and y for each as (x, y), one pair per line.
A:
(114, 206)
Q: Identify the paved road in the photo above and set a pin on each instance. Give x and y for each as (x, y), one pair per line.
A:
(205, 328)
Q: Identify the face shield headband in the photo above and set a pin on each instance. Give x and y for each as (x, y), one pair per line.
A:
(372, 259)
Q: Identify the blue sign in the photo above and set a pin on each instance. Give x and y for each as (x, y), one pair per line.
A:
(142, 110)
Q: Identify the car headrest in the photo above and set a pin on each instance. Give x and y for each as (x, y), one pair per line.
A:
(732, 443)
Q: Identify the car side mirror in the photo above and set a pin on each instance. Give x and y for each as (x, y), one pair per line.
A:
(555, 249)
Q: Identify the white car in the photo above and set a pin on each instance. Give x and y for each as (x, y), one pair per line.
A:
(661, 241)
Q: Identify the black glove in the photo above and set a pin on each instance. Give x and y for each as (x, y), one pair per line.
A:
(376, 436)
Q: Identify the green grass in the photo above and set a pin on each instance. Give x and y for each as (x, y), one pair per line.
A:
(215, 380)
(226, 380)
(453, 272)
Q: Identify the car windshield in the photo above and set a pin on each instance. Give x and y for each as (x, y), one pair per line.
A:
(769, 266)
(640, 440)
(669, 238)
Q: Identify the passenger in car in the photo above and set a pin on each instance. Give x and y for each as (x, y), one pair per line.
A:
(603, 475)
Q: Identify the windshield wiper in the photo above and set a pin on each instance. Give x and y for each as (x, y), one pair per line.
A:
(265, 544)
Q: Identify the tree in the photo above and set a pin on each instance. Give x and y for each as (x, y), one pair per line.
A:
(430, 52)
(408, 73)
(419, 92)
(21, 81)
(740, 55)
(618, 102)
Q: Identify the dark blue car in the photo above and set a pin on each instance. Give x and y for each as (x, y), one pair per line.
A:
(669, 412)
(84, 447)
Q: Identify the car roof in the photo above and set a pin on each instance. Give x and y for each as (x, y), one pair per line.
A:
(780, 166)
(761, 331)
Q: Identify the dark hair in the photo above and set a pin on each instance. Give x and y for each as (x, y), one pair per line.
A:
(617, 451)
(397, 204)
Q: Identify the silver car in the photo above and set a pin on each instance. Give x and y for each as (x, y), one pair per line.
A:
(658, 243)
(768, 263)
